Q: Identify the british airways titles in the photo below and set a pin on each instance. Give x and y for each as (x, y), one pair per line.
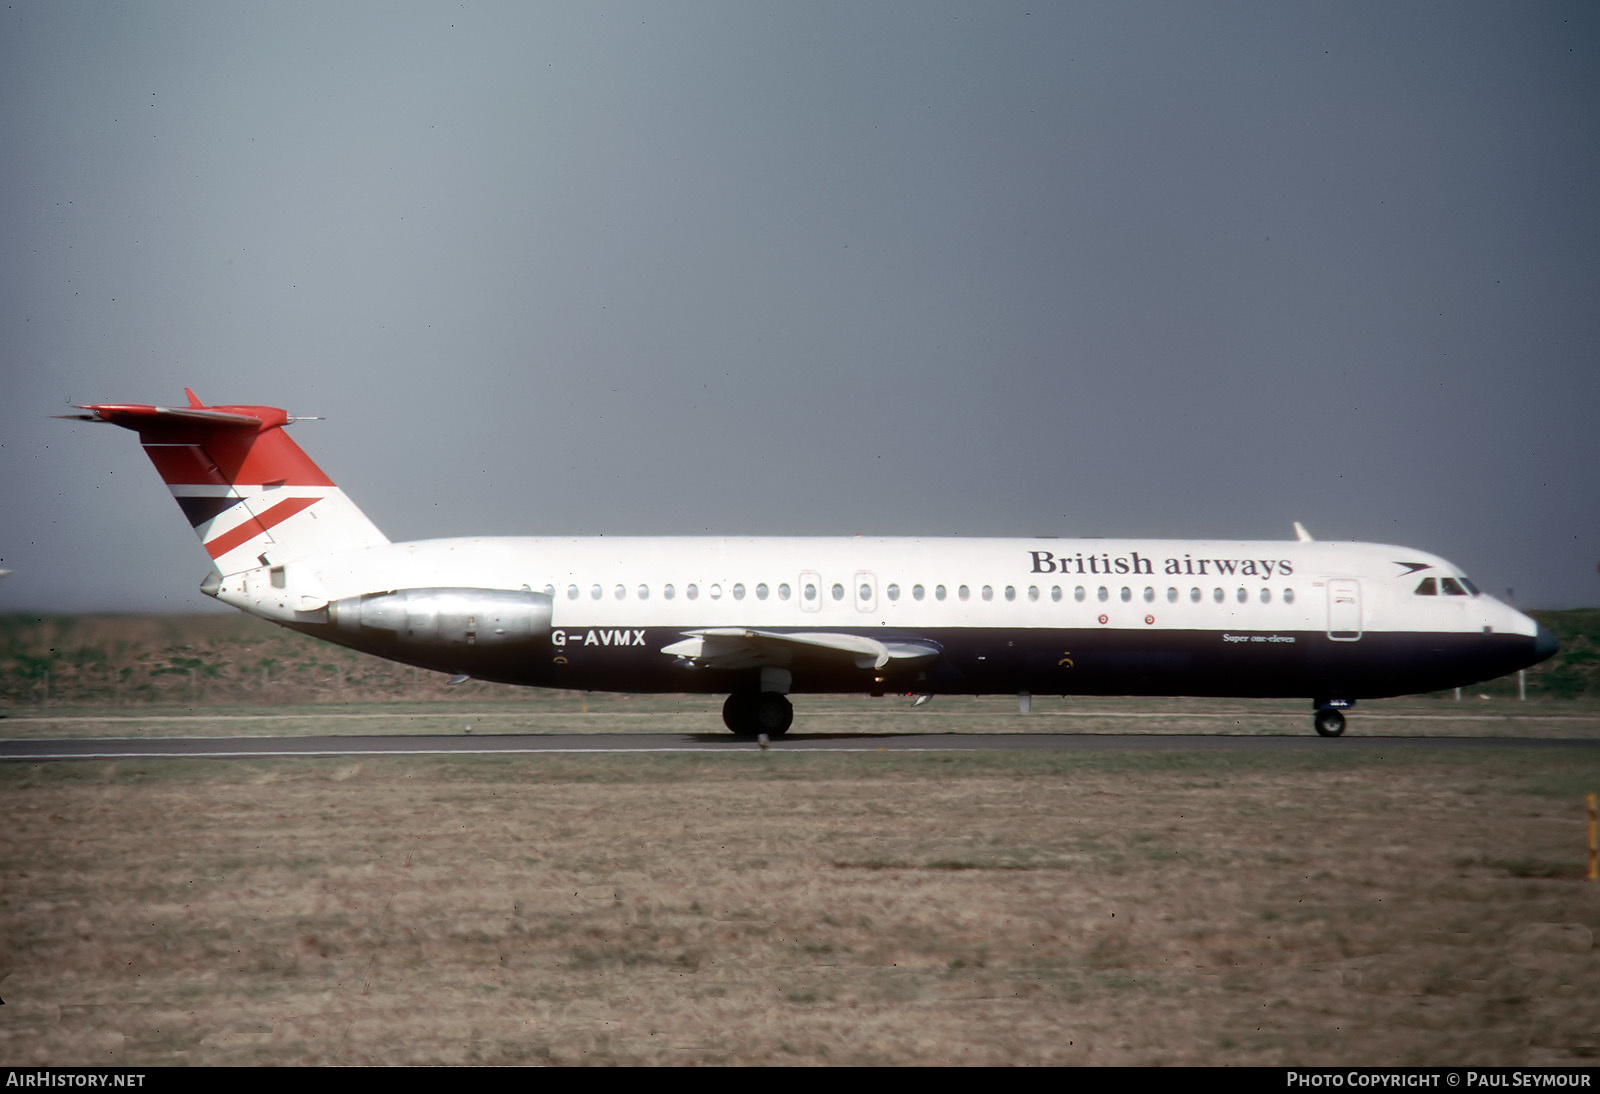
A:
(1044, 562)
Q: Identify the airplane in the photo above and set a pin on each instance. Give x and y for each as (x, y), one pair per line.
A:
(762, 618)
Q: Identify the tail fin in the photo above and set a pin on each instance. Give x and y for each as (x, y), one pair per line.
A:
(253, 497)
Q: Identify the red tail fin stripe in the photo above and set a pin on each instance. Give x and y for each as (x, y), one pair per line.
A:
(184, 465)
(257, 526)
(268, 457)
(238, 460)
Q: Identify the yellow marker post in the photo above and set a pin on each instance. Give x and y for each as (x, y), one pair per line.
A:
(1594, 842)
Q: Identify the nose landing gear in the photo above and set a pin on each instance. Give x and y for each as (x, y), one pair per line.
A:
(1329, 723)
(1329, 716)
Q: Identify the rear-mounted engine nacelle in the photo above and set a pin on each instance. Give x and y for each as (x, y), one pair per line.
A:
(445, 618)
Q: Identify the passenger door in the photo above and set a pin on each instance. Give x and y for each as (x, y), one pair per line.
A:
(1344, 609)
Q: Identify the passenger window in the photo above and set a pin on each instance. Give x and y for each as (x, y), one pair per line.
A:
(916, 592)
(761, 591)
(1102, 594)
(691, 591)
(716, 592)
(893, 591)
(1149, 595)
(644, 592)
(1218, 595)
(1194, 594)
(1055, 593)
(668, 591)
(1451, 587)
(549, 590)
(938, 592)
(738, 590)
(596, 593)
(964, 593)
(811, 591)
(1127, 594)
(619, 592)
(1172, 596)
(1079, 594)
(988, 592)
(1033, 592)
(783, 591)
(1266, 596)
(1244, 594)
(838, 591)
(572, 592)
(1288, 596)
(1429, 587)
(865, 592)
(1011, 592)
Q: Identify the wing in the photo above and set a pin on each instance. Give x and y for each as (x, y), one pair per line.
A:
(738, 648)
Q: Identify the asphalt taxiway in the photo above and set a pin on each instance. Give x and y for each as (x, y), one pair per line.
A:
(109, 748)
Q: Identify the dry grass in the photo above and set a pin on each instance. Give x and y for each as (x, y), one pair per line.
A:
(1037, 908)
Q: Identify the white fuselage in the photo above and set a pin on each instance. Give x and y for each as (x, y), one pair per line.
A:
(1213, 612)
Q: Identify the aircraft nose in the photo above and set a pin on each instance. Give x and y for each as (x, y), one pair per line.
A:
(1545, 642)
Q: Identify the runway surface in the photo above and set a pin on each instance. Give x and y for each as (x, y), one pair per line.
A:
(107, 748)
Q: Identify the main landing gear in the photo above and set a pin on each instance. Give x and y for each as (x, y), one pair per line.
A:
(1329, 716)
(749, 713)
(1329, 723)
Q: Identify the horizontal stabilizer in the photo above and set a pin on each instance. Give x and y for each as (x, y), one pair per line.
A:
(136, 417)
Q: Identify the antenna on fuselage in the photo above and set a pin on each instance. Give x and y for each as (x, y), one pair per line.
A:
(1300, 533)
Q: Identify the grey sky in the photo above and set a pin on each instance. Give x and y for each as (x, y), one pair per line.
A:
(1166, 269)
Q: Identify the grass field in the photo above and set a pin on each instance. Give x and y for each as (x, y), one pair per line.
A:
(1056, 907)
(1328, 907)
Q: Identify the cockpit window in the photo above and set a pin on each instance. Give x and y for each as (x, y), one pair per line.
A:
(1471, 588)
(1451, 587)
(1429, 587)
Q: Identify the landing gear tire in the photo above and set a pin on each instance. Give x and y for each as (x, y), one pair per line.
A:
(748, 713)
(1329, 723)
(736, 711)
(773, 715)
